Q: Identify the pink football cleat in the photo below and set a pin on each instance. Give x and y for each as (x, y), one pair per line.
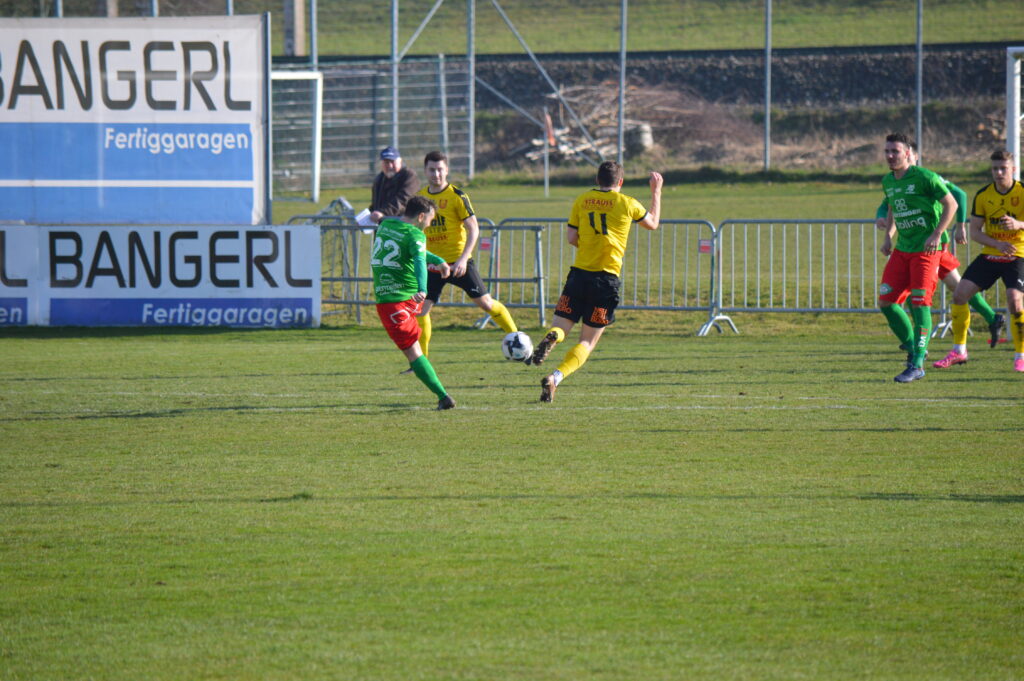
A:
(1018, 365)
(952, 358)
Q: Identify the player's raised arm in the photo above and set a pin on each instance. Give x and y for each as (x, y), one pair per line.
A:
(653, 217)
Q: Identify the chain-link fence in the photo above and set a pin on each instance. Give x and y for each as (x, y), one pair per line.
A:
(357, 119)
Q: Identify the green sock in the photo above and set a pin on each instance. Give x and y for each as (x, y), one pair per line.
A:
(981, 306)
(922, 330)
(900, 324)
(424, 371)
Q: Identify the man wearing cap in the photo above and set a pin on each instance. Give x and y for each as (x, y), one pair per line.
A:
(393, 186)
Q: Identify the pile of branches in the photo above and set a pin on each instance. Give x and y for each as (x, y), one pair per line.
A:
(596, 107)
(677, 119)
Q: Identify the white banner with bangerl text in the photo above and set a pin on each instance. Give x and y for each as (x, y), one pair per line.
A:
(155, 120)
(234, 276)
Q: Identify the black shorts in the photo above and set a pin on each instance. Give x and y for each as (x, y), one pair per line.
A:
(987, 269)
(590, 296)
(470, 282)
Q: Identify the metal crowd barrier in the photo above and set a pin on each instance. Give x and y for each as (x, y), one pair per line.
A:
(797, 266)
(808, 266)
(671, 268)
(515, 269)
(346, 281)
(685, 265)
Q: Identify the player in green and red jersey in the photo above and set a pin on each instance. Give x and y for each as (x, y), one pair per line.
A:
(399, 264)
(949, 273)
(922, 208)
(599, 228)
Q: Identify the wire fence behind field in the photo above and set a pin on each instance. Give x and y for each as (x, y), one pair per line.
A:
(795, 266)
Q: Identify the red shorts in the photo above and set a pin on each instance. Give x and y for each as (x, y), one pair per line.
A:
(917, 273)
(399, 321)
(947, 263)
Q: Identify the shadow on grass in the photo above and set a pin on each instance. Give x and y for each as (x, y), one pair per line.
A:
(240, 409)
(473, 498)
(182, 377)
(974, 498)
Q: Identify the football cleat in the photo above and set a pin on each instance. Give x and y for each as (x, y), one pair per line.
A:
(403, 372)
(445, 402)
(910, 374)
(1018, 365)
(547, 389)
(543, 349)
(952, 358)
(995, 329)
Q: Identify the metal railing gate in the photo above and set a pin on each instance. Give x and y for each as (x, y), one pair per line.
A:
(686, 265)
(808, 266)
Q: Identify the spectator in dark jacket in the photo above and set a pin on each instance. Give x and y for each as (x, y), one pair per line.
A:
(393, 186)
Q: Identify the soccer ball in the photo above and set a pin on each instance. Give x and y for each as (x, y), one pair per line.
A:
(516, 346)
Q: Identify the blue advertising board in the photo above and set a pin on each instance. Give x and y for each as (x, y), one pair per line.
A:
(185, 275)
(139, 121)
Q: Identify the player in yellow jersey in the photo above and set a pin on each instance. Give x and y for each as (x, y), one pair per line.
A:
(997, 223)
(598, 227)
(452, 236)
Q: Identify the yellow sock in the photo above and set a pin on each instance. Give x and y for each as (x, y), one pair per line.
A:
(426, 328)
(499, 313)
(961, 315)
(574, 359)
(559, 334)
(1017, 330)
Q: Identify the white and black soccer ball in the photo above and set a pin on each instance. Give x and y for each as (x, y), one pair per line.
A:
(516, 346)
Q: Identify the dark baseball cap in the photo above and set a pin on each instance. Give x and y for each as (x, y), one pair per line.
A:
(389, 154)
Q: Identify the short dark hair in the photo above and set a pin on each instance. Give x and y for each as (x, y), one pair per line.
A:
(418, 205)
(899, 137)
(609, 174)
(435, 156)
(1001, 155)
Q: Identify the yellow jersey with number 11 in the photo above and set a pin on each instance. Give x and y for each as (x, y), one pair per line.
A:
(603, 219)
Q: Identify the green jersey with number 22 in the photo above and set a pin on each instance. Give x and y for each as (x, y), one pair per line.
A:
(399, 261)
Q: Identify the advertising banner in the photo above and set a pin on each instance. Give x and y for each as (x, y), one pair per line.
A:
(133, 120)
(244, 277)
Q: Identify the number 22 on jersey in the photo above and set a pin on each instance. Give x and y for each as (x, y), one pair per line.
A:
(385, 253)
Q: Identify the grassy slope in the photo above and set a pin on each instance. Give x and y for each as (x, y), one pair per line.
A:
(591, 26)
(284, 505)
(705, 201)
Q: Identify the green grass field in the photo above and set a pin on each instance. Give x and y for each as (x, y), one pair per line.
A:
(284, 505)
(680, 200)
(592, 26)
